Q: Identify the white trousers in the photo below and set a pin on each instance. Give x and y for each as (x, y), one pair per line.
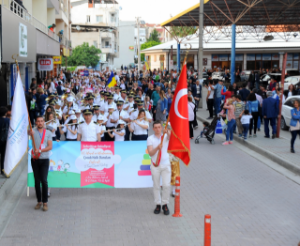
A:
(165, 174)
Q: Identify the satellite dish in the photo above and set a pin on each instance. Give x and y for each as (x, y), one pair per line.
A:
(77, 28)
(120, 8)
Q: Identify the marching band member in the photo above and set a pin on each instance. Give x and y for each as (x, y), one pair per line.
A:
(134, 113)
(71, 130)
(90, 101)
(123, 96)
(88, 131)
(139, 127)
(110, 102)
(119, 114)
(100, 121)
(70, 106)
(117, 95)
(118, 133)
(163, 171)
(79, 117)
(96, 109)
(110, 124)
(52, 125)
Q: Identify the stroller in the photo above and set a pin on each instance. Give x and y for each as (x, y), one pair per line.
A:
(209, 133)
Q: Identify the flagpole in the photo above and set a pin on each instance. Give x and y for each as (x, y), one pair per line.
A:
(33, 140)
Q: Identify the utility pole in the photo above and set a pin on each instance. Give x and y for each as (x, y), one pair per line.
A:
(138, 43)
(200, 51)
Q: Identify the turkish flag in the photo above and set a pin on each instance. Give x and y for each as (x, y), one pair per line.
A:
(179, 144)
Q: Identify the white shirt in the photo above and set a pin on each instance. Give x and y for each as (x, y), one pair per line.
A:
(66, 109)
(95, 117)
(135, 114)
(116, 115)
(88, 131)
(117, 97)
(211, 95)
(246, 119)
(123, 87)
(109, 123)
(137, 130)
(118, 137)
(54, 126)
(70, 135)
(102, 128)
(106, 106)
(191, 107)
(52, 87)
(154, 142)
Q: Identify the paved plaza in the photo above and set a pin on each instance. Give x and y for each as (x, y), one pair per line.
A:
(250, 204)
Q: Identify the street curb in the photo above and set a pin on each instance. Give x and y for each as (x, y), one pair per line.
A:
(9, 183)
(289, 166)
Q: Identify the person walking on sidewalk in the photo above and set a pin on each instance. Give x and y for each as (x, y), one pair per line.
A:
(40, 161)
(163, 170)
(210, 100)
(295, 123)
(231, 121)
(238, 113)
(245, 120)
(218, 97)
(253, 107)
(270, 113)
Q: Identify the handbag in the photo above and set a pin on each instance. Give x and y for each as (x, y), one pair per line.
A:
(223, 123)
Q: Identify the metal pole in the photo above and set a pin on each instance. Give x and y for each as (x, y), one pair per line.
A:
(178, 58)
(233, 35)
(282, 89)
(139, 45)
(200, 51)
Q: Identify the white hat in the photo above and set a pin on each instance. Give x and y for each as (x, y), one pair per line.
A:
(100, 117)
(73, 117)
(121, 122)
(70, 99)
(111, 107)
(78, 111)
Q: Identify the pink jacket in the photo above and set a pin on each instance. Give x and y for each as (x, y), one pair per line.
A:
(230, 111)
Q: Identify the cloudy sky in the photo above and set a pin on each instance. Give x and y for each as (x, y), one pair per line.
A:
(153, 11)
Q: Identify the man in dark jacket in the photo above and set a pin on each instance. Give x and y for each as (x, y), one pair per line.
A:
(244, 93)
(270, 110)
(196, 91)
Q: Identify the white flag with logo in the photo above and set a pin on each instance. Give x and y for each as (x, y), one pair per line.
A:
(17, 140)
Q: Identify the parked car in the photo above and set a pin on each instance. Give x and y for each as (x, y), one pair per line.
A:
(245, 75)
(266, 78)
(294, 80)
(286, 112)
(291, 72)
(218, 76)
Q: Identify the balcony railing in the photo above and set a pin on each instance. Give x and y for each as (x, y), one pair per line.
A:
(64, 41)
(23, 13)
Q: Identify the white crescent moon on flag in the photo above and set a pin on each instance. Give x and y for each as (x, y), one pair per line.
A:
(179, 95)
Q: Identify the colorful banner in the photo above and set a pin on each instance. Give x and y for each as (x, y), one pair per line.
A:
(97, 165)
(56, 60)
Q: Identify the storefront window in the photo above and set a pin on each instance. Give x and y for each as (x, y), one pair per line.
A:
(262, 61)
(292, 61)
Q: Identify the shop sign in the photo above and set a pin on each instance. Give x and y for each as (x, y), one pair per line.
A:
(22, 40)
(275, 57)
(45, 64)
(250, 57)
(267, 57)
(214, 57)
(223, 57)
(56, 60)
(239, 57)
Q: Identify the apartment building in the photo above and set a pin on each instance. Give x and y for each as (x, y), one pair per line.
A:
(30, 32)
(96, 22)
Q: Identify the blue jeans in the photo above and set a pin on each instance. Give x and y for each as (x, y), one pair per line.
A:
(217, 105)
(272, 121)
(245, 131)
(229, 131)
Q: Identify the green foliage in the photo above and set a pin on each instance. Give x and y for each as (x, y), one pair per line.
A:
(84, 55)
(146, 46)
(182, 31)
(154, 36)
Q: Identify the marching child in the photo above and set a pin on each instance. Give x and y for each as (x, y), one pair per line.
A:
(100, 121)
(118, 133)
(245, 120)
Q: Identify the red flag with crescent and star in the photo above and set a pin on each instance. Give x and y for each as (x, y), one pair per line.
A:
(179, 144)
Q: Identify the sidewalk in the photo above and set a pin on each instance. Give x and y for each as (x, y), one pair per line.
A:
(278, 150)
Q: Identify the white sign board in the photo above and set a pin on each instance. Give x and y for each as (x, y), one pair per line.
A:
(45, 64)
(22, 40)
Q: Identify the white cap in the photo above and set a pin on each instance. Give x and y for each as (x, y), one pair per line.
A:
(70, 99)
(111, 107)
(121, 122)
(73, 117)
(100, 117)
(78, 111)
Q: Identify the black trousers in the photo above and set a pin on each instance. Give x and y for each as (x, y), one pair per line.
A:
(191, 129)
(294, 135)
(154, 114)
(69, 139)
(2, 153)
(210, 106)
(107, 137)
(127, 134)
(253, 121)
(140, 137)
(195, 123)
(40, 169)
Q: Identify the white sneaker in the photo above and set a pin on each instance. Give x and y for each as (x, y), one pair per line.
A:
(49, 193)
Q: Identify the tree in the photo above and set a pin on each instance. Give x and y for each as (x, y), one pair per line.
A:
(154, 36)
(84, 55)
(182, 31)
(146, 46)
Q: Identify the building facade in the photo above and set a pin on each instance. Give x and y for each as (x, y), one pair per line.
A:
(96, 23)
(29, 33)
